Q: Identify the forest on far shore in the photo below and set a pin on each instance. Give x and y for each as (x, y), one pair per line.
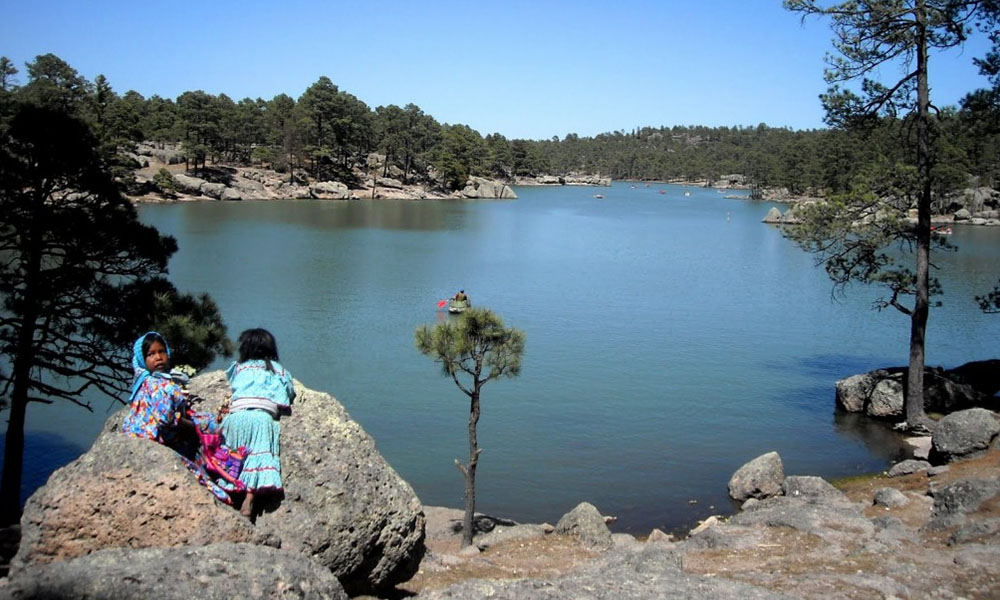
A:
(327, 132)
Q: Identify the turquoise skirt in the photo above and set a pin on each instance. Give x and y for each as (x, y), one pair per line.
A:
(259, 432)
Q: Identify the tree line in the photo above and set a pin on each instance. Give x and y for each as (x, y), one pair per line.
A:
(328, 133)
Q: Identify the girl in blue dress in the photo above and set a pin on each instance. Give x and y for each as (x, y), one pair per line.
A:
(262, 390)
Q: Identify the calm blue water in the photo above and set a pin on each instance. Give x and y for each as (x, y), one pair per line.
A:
(669, 340)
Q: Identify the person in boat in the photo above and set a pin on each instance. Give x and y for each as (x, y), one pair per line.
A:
(461, 296)
(158, 410)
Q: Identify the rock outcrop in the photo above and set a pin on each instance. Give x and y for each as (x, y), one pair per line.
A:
(568, 179)
(477, 187)
(760, 478)
(216, 571)
(880, 393)
(344, 506)
(329, 190)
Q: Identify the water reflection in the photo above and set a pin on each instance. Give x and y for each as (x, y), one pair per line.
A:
(878, 436)
(394, 215)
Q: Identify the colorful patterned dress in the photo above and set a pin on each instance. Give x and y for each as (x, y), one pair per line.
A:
(154, 414)
(259, 396)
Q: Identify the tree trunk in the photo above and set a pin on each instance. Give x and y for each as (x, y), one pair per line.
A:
(918, 322)
(13, 460)
(470, 471)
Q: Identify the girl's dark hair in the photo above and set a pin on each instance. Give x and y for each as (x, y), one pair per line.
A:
(148, 341)
(258, 344)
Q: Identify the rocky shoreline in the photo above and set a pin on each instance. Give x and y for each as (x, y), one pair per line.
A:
(235, 183)
(112, 522)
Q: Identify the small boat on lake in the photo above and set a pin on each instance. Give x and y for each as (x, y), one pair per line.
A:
(598, 195)
(941, 230)
(457, 306)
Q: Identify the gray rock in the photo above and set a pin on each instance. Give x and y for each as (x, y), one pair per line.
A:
(343, 507)
(888, 522)
(231, 195)
(963, 433)
(586, 523)
(889, 498)
(477, 187)
(648, 571)
(879, 393)
(908, 466)
(500, 535)
(798, 485)
(963, 214)
(791, 216)
(830, 518)
(213, 190)
(952, 501)
(388, 182)
(886, 399)
(188, 184)
(773, 216)
(935, 471)
(749, 503)
(657, 535)
(124, 491)
(215, 571)
(921, 445)
(853, 391)
(759, 478)
(624, 541)
(327, 190)
(975, 532)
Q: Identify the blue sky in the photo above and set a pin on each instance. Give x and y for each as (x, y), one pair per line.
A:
(530, 69)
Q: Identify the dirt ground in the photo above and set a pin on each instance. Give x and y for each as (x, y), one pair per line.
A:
(782, 559)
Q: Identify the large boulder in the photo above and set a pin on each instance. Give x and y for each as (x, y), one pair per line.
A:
(209, 572)
(188, 184)
(214, 190)
(586, 523)
(329, 190)
(773, 216)
(344, 506)
(760, 478)
(963, 433)
(127, 492)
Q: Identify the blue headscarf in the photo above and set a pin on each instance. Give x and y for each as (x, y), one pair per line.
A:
(139, 364)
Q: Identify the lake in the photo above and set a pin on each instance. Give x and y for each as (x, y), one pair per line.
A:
(670, 339)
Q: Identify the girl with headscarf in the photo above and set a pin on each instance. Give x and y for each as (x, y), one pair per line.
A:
(158, 409)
